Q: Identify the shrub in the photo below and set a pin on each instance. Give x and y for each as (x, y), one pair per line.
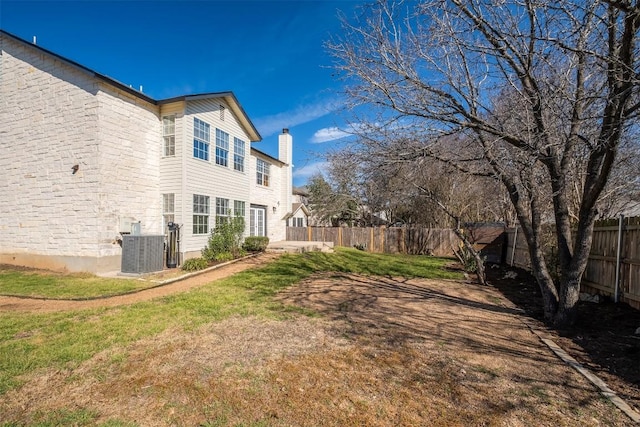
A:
(256, 243)
(225, 256)
(195, 264)
(225, 238)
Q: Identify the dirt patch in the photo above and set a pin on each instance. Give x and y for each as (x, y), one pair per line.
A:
(384, 352)
(603, 338)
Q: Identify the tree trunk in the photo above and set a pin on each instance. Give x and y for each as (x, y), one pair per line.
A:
(480, 272)
(548, 289)
(567, 310)
(531, 229)
(571, 276)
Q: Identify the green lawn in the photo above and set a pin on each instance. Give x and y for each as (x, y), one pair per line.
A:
(26, 283)
(29, 342)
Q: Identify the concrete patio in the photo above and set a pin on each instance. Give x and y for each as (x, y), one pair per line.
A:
(299, 247)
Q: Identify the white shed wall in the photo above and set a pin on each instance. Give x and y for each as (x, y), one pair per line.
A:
(299, 214)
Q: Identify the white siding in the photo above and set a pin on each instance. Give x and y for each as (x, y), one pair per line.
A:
(171, 168)
(299, 214)
(206, 177)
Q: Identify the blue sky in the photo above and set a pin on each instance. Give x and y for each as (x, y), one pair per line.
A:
(269, 53)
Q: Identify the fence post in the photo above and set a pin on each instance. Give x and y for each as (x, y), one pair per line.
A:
(372, 243)
(515, 241)
(616, 292)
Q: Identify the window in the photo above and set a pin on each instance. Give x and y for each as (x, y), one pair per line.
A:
(200, 139)
(222, 148)
(169, 135)
(168, 209)
(222, 210)
(200, 214)
(297, 222)
(262, 172)
(238, 154)
(238, 208)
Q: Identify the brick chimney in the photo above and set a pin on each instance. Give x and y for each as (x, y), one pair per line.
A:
(285, 147)
(285, 155)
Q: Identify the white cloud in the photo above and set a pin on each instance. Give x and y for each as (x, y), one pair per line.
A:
(270, 125)
(335, 133)
(310, 170)
(328, 134)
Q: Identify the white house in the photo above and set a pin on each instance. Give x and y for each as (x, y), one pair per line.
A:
(85, 159)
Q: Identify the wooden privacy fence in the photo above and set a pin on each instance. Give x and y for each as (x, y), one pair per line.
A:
(488, 238)
(613, 268)
(517, 249)
(419, 241)
(614, 261)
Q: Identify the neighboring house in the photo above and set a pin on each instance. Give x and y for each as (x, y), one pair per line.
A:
(86, 159)
(300, 195)
(300, 214)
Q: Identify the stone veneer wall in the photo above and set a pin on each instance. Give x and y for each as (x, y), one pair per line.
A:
(130, 143)
(54, 116)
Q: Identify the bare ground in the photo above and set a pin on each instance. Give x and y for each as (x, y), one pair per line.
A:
(603, 339)
(384, 352)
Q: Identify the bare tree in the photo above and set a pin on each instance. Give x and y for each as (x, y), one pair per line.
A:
(435, 194)
(622, 192)
(537, 95)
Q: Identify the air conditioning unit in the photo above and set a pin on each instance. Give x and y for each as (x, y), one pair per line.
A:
(142, 253)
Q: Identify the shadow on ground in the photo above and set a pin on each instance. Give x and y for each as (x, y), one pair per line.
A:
(603, 338)
(481, 338)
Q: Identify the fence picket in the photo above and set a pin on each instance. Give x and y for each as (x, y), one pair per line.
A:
(600, 274)
(408, 240)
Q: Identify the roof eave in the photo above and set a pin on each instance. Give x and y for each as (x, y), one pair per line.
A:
(228, 96)
(271, 158)
(82, 68)
(234, 104)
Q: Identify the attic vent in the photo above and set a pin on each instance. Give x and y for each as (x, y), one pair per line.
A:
(222, 113)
